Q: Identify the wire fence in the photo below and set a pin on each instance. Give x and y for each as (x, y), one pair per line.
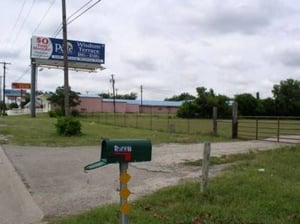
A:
(158, 122)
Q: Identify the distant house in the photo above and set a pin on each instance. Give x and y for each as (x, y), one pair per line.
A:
(94, 103)
(45, 103)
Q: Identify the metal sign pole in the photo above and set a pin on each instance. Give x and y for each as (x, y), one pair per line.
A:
(124, 193)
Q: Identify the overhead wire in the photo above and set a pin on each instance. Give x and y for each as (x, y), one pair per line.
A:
(59, 28)
(44, 16)
(74, 13)
(18, 19)
(25, 20)
(69, 20)
(26, 71)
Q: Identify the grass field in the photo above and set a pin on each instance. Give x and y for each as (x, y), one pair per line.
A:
(24, 130)
(242, 195)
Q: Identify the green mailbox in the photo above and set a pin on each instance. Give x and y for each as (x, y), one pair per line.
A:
(123, 151)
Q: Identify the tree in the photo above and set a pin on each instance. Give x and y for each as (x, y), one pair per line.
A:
(58, 98)
(181, 97)
(287, 97)
(26, 100)
(187, 110)
(202, 105)
(130, 96)
(247, 104)
(269, 106)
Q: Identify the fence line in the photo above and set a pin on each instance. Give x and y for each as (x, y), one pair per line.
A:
(157, 122)
(279, 129)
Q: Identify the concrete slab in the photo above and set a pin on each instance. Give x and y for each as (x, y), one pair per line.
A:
(17, 206)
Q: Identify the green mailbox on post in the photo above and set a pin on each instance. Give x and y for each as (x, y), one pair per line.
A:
(123, 151)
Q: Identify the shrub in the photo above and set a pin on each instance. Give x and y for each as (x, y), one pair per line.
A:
(75, 113)
(68, 126)
(59, 112)
(51, 113)
(56, 113)
(13, 105)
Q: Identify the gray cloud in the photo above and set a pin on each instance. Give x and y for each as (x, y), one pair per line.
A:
(245, 17)
(290, 57)
(142, 63)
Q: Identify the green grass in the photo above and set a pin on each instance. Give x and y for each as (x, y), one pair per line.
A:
(243, 195)
(24, 130)
(224, 159)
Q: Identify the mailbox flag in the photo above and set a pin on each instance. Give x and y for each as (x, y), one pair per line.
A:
(95, 165)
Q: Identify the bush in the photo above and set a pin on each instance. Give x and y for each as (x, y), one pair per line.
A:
(68, 126)
(13, 105)
(56, 113)
(51, 113)
(75, 113)
(59, 112)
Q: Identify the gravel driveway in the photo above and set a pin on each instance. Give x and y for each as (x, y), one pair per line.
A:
(55, 177)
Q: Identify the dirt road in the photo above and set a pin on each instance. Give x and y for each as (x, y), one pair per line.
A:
(57, 183)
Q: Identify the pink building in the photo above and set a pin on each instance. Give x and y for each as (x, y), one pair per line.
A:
(91, 103)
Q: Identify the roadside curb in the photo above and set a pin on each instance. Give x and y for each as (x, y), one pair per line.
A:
(16, 205)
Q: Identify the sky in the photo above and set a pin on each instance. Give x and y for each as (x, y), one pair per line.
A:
(166, 46)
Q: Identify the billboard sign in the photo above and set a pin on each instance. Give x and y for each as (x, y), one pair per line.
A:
(49, 51)
(20, 85)
(14, 92)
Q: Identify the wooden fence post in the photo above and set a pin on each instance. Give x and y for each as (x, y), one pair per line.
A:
(235, 120)
(215, 122)
(205, 166)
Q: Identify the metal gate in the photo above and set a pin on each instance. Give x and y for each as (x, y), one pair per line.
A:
(279, 129)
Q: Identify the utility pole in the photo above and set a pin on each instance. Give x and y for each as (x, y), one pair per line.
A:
(4, 72)
(112, 80)
(1, 87)
(141, 95)
(66, 67)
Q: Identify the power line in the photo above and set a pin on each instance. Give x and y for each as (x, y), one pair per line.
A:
(18, 18)
(15, 24)
(74, 13)
(69, 22)
(44, 16)
(22, 25)
(59, 28)
(23, 74)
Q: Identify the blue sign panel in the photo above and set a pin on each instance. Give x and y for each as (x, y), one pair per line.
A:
(14, 92)
(78, 51)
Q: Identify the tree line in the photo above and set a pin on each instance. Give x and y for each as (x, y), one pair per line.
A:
(285, 102)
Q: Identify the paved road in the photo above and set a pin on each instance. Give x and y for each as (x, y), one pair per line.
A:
(55, 179)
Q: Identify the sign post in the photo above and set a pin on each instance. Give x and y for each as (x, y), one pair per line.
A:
(124, 193)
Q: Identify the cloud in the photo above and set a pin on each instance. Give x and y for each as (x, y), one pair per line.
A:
(142, 63)
(290, 57)
(9, 53)
(247, 17)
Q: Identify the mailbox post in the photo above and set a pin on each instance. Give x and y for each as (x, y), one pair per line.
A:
(123, 151)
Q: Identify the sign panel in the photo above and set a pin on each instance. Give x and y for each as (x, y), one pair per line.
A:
(51, 49)
(14, 92)
(20, 85)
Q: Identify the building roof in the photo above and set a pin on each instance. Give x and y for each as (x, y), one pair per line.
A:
(148, 102)
(138, 102)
